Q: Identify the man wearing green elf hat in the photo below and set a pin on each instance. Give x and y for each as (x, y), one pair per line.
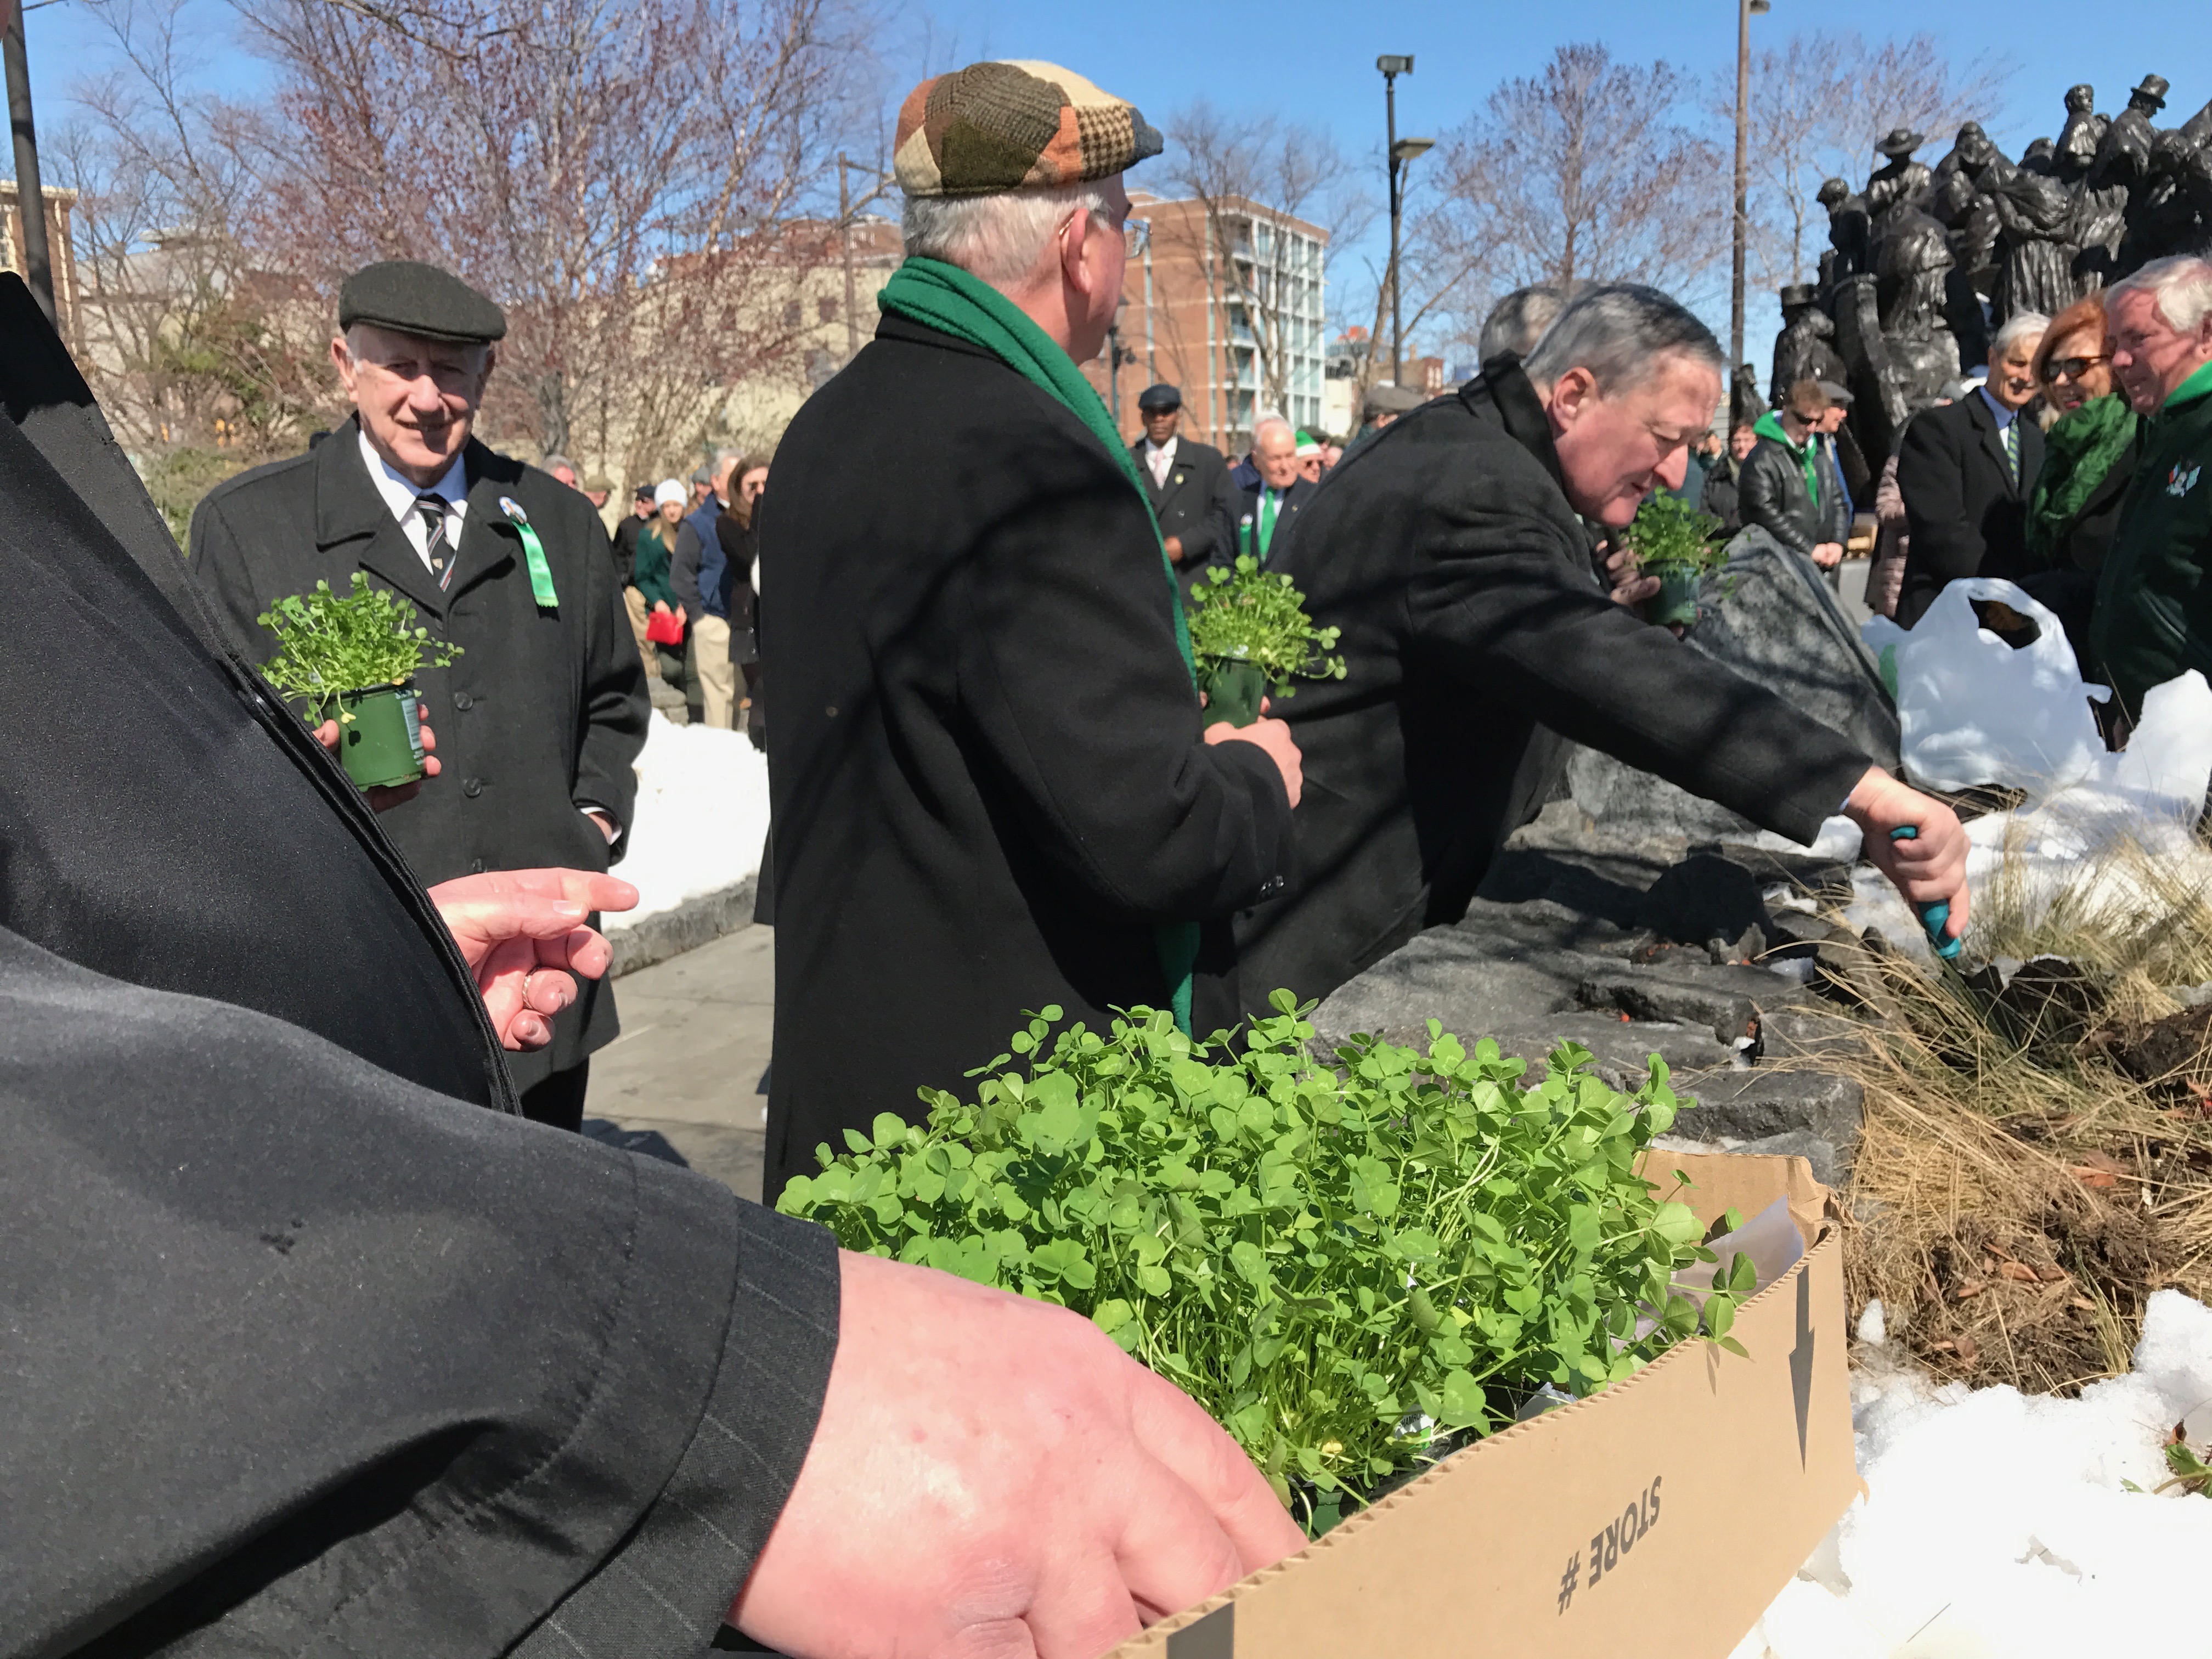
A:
(994, 789)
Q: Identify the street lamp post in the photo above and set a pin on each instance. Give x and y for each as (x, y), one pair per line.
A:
(1745, 11)
(30, 199)
(1400, 151)
(846, 207)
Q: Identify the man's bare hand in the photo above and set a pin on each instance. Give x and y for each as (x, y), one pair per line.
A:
(1273, 737)
(1173, 545)
(522, 933)
(1930, 865)
(1828, 555)
(991, 1478)
(382, 795)
(1626, 577)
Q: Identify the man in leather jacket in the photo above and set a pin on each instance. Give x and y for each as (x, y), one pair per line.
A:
(1786, 488)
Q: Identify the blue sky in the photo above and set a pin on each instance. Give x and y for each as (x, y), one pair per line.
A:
(1316, 61)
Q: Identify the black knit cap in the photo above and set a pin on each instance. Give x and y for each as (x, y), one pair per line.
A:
(413, 298)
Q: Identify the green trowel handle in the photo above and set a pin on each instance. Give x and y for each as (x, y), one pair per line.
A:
(1934, 917)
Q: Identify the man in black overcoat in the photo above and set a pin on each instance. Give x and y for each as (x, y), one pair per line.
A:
(1478, 638)
(1965, 470)
(542, 714)
(1187, 481)
(992, 790)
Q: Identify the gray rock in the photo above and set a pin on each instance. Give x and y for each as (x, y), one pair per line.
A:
(1722, 1000)
(2190, 996)
(1768, 614)
(666, 933)
(1828, 1166)
(1762, 1101)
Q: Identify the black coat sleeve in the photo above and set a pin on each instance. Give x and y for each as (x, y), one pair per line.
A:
(1946, 543)
(1496, 602)
(1071, 677)
(684, 572)
(1766, 499)
(305, 1358)
(616, 703)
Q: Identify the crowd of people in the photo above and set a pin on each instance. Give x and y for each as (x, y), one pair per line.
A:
(479, 1388)
(2036, 470)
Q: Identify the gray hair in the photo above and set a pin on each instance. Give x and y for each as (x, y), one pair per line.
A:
(998, 237)
(2180, 285)
(1620, 332)
(478, 350)
(554, 462)
(2018, 326)
(1517, 322)
(1266, 421)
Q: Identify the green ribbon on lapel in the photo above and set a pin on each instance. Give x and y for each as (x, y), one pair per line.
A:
(949, 300)
(533, 555)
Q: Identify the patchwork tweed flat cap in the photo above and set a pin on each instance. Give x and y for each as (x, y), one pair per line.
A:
(998, 126)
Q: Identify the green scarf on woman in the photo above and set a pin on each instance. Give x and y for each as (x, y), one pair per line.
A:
(2077, 455)
(947, 299)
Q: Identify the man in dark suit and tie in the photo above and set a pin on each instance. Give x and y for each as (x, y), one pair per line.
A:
(1966, 469)
(1187, 481)
(1270, 507)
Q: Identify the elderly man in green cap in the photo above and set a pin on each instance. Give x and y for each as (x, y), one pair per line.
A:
(544, 709)
(995, 788)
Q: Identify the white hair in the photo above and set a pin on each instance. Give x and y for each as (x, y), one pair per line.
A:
(2180, 285)
(1266, 421)
(2018, 326)
(478, 350)
(996, 238)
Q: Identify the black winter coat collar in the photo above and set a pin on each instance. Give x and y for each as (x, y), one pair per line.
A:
(1505, 396)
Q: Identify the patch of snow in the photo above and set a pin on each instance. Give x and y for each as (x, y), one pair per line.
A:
(1975, 711)
(702, 816)
(1996, 1525)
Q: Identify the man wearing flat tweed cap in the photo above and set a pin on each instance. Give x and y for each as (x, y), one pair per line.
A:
(994, 785)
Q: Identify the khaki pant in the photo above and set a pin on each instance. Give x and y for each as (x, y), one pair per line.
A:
(634, 602)
(717, 675)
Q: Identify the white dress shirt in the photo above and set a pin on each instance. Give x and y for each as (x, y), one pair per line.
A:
(1159, 458)
(399, 494)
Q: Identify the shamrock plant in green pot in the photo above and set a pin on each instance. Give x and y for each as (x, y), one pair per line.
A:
(353, 657)
(1251, 637)
(1357, 1267)
(1674, 541)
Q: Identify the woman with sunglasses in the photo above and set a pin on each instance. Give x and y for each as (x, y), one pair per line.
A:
(2088, 456)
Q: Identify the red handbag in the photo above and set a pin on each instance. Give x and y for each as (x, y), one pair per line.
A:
(664, 627)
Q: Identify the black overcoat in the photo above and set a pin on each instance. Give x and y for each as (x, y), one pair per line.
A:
(163, 819)
(545, 711)
(1967, 515)
(1196, 504)
(1477, 637)
(987, 769)
(1287, 513)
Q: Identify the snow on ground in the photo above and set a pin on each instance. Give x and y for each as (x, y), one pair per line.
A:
(1997, 1525)
(701, 815)
(1973, 710)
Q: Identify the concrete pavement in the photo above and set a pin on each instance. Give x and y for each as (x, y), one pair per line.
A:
(695, 1041)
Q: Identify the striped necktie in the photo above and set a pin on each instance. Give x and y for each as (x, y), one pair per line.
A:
(435, 547)
(2012, 449)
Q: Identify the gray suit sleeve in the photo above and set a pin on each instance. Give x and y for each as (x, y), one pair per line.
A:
(305, 1358)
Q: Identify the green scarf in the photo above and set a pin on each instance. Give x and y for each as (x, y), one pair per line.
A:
(947, 299)
(1769, 425)
(2077, 455)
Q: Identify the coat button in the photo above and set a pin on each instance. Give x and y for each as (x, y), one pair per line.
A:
(472, 787)
(463, 700)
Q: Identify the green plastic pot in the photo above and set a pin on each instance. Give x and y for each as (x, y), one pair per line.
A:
(1233, 691)
(1677, 600)
(381, 735)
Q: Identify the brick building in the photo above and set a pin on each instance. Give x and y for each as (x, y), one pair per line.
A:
(61, 249)
(1221, 300)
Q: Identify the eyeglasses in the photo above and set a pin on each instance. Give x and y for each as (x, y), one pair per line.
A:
(2071, 368)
